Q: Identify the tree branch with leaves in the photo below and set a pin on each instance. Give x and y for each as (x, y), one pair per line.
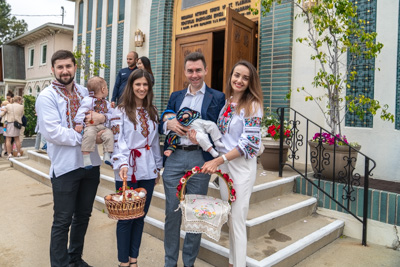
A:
(85, 61)
(334, 30)
(10, 26)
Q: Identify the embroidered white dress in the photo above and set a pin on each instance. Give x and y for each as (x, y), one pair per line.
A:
(137, 147)
(56, 112)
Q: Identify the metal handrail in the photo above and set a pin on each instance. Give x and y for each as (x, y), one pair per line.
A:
(319, 160)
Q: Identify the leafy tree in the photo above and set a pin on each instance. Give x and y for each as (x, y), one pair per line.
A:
(85, 61)
(334, 30)
(29, 110)
(10, 26)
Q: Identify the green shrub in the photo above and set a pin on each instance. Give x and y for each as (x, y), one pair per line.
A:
(29, 109)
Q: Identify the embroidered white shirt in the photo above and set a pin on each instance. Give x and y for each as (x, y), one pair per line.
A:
(128, 137)
(55, 124)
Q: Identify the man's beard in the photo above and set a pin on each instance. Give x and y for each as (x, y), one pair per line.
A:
(67, 82)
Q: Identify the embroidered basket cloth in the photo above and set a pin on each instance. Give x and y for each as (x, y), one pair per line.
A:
(204, 214)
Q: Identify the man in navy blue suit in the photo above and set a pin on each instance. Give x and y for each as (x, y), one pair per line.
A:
(209, 102)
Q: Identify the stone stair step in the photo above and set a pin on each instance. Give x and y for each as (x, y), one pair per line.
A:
(277, 212)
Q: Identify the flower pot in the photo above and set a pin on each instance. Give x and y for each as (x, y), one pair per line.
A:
(322, 160)
(270, 157)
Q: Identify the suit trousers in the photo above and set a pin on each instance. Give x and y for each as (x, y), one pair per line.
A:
(73, 197)
(243, 173)
(176, 166)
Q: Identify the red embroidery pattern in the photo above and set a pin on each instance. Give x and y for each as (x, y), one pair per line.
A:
(224, 121)
(143, 122)
(74, 101)
(100, 105)
(115, 129)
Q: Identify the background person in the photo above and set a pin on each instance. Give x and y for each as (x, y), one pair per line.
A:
(3, 148)
(137, 156)
(240, 125)
(144, 64)
(122, 78)
(13, 113)
(199, 97)
(10, 97)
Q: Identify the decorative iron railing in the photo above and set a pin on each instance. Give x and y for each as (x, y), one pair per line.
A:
(333, 162)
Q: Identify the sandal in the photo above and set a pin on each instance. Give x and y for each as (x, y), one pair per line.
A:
(131, 263)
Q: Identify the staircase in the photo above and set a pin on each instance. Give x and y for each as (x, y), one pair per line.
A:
(283, 228)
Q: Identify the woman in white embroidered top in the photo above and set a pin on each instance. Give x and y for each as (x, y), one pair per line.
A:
(136, 157)
(239, 123)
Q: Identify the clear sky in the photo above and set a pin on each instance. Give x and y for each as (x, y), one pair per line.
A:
(42, 7)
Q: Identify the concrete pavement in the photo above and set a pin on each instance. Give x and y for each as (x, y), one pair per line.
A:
(26, 217)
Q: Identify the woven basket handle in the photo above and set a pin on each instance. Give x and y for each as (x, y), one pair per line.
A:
(124, 185)
(182, 196)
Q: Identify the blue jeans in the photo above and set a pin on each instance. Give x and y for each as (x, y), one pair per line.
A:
(73, 197)
(129, 232)
(176, 166)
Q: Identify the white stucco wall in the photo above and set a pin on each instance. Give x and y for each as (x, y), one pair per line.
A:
(39, 75)
(137, 16)
(382, 142)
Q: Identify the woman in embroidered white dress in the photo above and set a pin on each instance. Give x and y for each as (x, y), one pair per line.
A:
(136, 157)
(240, 125)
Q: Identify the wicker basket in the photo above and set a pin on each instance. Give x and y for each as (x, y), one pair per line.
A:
(204, 214)
(126, 209)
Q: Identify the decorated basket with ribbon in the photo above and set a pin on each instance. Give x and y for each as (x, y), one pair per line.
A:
(127, 204)
(204, 214)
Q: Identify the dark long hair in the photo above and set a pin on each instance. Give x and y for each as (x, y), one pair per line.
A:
(253, 93)
(128, 102)
(147, 65)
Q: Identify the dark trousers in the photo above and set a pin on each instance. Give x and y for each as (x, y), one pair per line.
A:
(73, 196)
(129, 232)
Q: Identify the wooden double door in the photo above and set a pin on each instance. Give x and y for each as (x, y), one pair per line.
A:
(221, 48)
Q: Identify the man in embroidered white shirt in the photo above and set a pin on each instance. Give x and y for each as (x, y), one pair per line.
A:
(74, 188)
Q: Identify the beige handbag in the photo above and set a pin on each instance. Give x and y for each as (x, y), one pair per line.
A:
(204, 214)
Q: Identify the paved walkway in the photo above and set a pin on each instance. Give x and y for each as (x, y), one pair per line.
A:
(26, 217)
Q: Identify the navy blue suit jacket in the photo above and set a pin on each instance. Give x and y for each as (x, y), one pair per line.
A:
(213, 102)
